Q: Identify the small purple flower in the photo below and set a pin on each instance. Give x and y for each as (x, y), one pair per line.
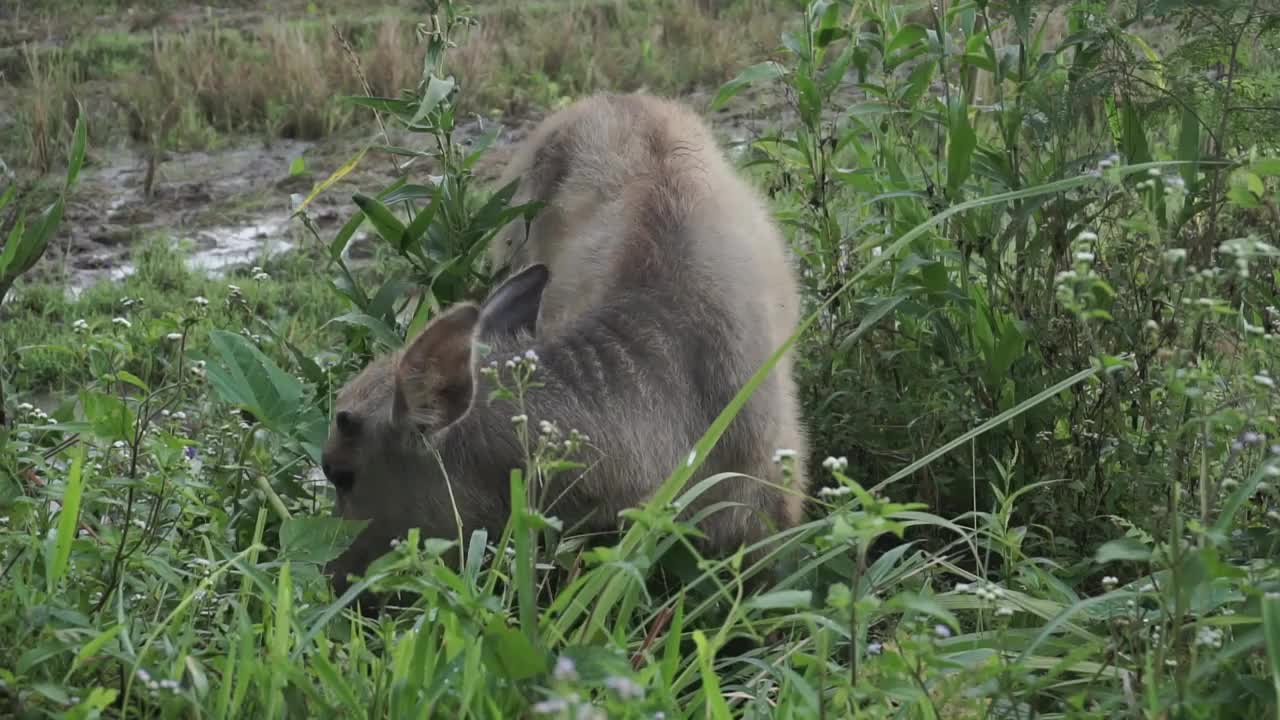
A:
(874, 648)
(190, 452)
(942, 631)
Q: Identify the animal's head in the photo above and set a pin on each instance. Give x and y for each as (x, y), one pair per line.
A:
(388, 419)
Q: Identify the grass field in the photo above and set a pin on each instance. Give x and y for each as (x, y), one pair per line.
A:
(1040, 253)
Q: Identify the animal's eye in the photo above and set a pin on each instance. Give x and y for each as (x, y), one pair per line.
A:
(344, 479)
(341, 479)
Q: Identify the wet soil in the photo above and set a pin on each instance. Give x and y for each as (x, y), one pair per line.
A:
(232, 206)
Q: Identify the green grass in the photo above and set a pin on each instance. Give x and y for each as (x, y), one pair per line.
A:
(46, 347)
(1040, 382)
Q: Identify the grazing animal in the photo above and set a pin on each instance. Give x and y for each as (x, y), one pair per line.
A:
(652, 285)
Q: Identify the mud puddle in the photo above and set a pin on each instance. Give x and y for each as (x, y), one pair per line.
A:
(221, 209)
(231, 207)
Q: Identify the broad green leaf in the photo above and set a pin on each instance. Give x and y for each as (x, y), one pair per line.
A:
(437, 91)
(873, 316)
(382, 219)
(781, 599)
(525, 559)
(416, 232)
(960, 146)
(10, 251)
(907, 36)
(110, 417)
(925, 605)
(918, 82)
(344, 235)
(1271, 626)
(509, 652)
(99, 699)
(409, 191)
(1122, 549)
(714, 705)
(247, 378)
(68, 521)
(317, 539)
(1264, 166)
(92, 647)
(383, 332)
(127, 377)
(768, 70)
(75, 159)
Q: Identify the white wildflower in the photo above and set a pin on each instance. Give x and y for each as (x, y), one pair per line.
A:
(554, 706)
(565, 669)
(835, 491)
(783, 454)
(1210, 637)
(122, 322)
(626, 688)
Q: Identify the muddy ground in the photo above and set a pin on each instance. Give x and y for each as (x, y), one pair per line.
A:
(231, 206)
(224, 207)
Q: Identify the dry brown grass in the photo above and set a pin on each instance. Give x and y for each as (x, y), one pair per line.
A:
(284, 77)
(48, 107)
(525, 56)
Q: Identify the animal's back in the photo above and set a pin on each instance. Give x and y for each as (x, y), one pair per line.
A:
(640, 199)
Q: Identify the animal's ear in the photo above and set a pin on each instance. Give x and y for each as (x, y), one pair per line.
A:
(434, 378)
(513, 307)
